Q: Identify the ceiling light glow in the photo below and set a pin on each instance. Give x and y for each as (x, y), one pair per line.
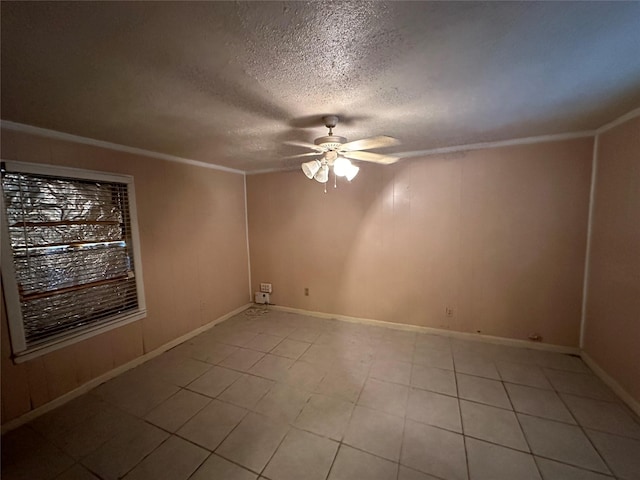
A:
(341, 166)
(351, 171)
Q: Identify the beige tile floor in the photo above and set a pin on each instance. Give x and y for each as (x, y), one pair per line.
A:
(282, 396)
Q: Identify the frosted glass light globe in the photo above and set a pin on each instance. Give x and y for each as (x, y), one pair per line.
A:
(323, 174)
(351, 172)
(341, 166)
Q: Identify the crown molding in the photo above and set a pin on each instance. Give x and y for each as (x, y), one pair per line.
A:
(556, 137)
(45, 132)
(272, 170)
(497, 144)
(618, 121)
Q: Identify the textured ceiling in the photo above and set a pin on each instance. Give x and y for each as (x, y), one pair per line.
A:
(227, 83)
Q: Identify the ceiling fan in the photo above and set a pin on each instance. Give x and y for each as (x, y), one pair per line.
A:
(336, 152)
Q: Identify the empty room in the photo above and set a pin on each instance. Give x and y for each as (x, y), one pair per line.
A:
(320, 240)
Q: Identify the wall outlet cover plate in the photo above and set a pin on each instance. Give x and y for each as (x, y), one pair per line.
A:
(261, 297)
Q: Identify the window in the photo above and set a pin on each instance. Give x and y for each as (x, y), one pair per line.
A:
(70, 255)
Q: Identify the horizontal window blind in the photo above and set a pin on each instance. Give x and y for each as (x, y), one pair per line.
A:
(72, 248)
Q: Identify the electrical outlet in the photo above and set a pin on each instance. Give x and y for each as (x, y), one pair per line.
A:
(262, 298)
(266, 288)
(448, 312)
(306, 292)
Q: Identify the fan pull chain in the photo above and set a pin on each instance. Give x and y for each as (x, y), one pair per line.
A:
(325, 187)
(335, 180)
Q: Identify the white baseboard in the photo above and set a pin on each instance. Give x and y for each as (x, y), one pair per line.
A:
(612, 383)
(82, 389)
(435, 331)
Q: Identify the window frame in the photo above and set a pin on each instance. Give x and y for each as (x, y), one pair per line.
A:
(21, 352)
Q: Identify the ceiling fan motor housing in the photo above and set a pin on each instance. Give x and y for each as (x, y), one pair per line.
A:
(330, 142)
(330, 121)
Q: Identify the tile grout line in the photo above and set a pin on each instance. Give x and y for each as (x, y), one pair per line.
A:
(367, 377)
(406, 408)
(243, 467)
(571, 371)
(355, 404)
(227, 436)
(392, 382)
(292, 425)
(464, 436)
(67, 470)
(333, 461)
(582, 430)
(449, 431)
(209, 399)
(404, 420)
(524, 435)
(274, 451)
(146, 456)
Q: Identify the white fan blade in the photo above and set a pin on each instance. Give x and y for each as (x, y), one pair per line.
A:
(370, 157)
(317, 148)
(369, 143)
(304, 155)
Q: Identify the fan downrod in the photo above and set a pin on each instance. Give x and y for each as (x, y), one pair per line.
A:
(331, 141)
(330, 121)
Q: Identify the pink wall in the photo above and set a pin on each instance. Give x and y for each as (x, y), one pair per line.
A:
(612, 333)
(194, 257)
(499, 235)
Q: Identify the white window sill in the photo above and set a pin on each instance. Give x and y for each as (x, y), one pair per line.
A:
(78, 336)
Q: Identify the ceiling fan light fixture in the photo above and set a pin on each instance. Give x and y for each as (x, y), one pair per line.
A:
(311, 168)
(337, 154)
(341, 166)
(322, 175)
(351, 171)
